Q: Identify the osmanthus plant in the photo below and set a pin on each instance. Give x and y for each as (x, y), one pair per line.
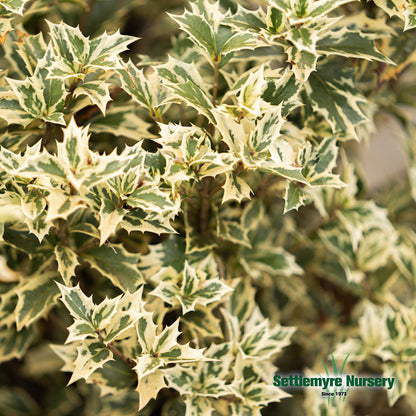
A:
(176, 229)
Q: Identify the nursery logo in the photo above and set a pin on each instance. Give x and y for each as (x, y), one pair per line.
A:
(333, 385)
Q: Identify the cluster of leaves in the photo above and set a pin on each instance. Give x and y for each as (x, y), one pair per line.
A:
(207, 202)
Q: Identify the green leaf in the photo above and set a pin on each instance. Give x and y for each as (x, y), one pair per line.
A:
(76, 54)
(145, 90)
(40, 97)
(338, 100)
(121, 121)
(111, 318)
(96, 91)
(14, 6)
(13, 343)
(351, 44)
(153, 199)
(235, 188)
(191, 288)
(284, 90)
(199, 31)
(117, 264)
(91, 356)
(67, 262)
(186, 83)
(35, 297)
(15, 401)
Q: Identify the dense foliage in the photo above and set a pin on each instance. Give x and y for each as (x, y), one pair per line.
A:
(179, 224)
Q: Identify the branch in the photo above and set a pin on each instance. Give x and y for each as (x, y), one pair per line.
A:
(128, 361)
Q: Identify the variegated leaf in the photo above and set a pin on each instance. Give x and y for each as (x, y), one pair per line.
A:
(145, 90)
(161, 349)
(186, 84)
(235, 188)
(149, 386)
(13, 343)
(351, 44)
(199, 30)
(191, 288)
(273, 260)
(109, 319)
(35, 297)
(121, 121)
(150, 199)
(338, 100)
(96, 91)
(405, 9)
(76, 54)
(40, 97)
(117, 264)
(110, 218)
(67, 262)
(285, 90)
(14, 6)
(91, 356)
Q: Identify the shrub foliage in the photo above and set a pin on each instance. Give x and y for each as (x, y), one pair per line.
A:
(178, 227)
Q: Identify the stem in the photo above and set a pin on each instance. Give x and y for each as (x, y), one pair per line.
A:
(207, 182)
(204, 207)
(128, 361)
(86, 246)
(49, 133)
(216, 72)
(61, 232)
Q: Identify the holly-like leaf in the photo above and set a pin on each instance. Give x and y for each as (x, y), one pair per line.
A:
(13, 343)
(17, 402)
(40, 97)
(110, 217)
(121, 121)
(14, 6)
(351, 44)
(117, 264)
(150, 199)
(67, 262)
(235, 188)
(96, 91)
(285, 90)
(199, 30)
(338, 100)
(216, 40)
(273, 260)
(35, 296)
(76, 54)
(106, 321)
(186, 83)
(159, 350)
(294, 197)
(91, 356)
(193, 288)
(404, 9)
(145, 90)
